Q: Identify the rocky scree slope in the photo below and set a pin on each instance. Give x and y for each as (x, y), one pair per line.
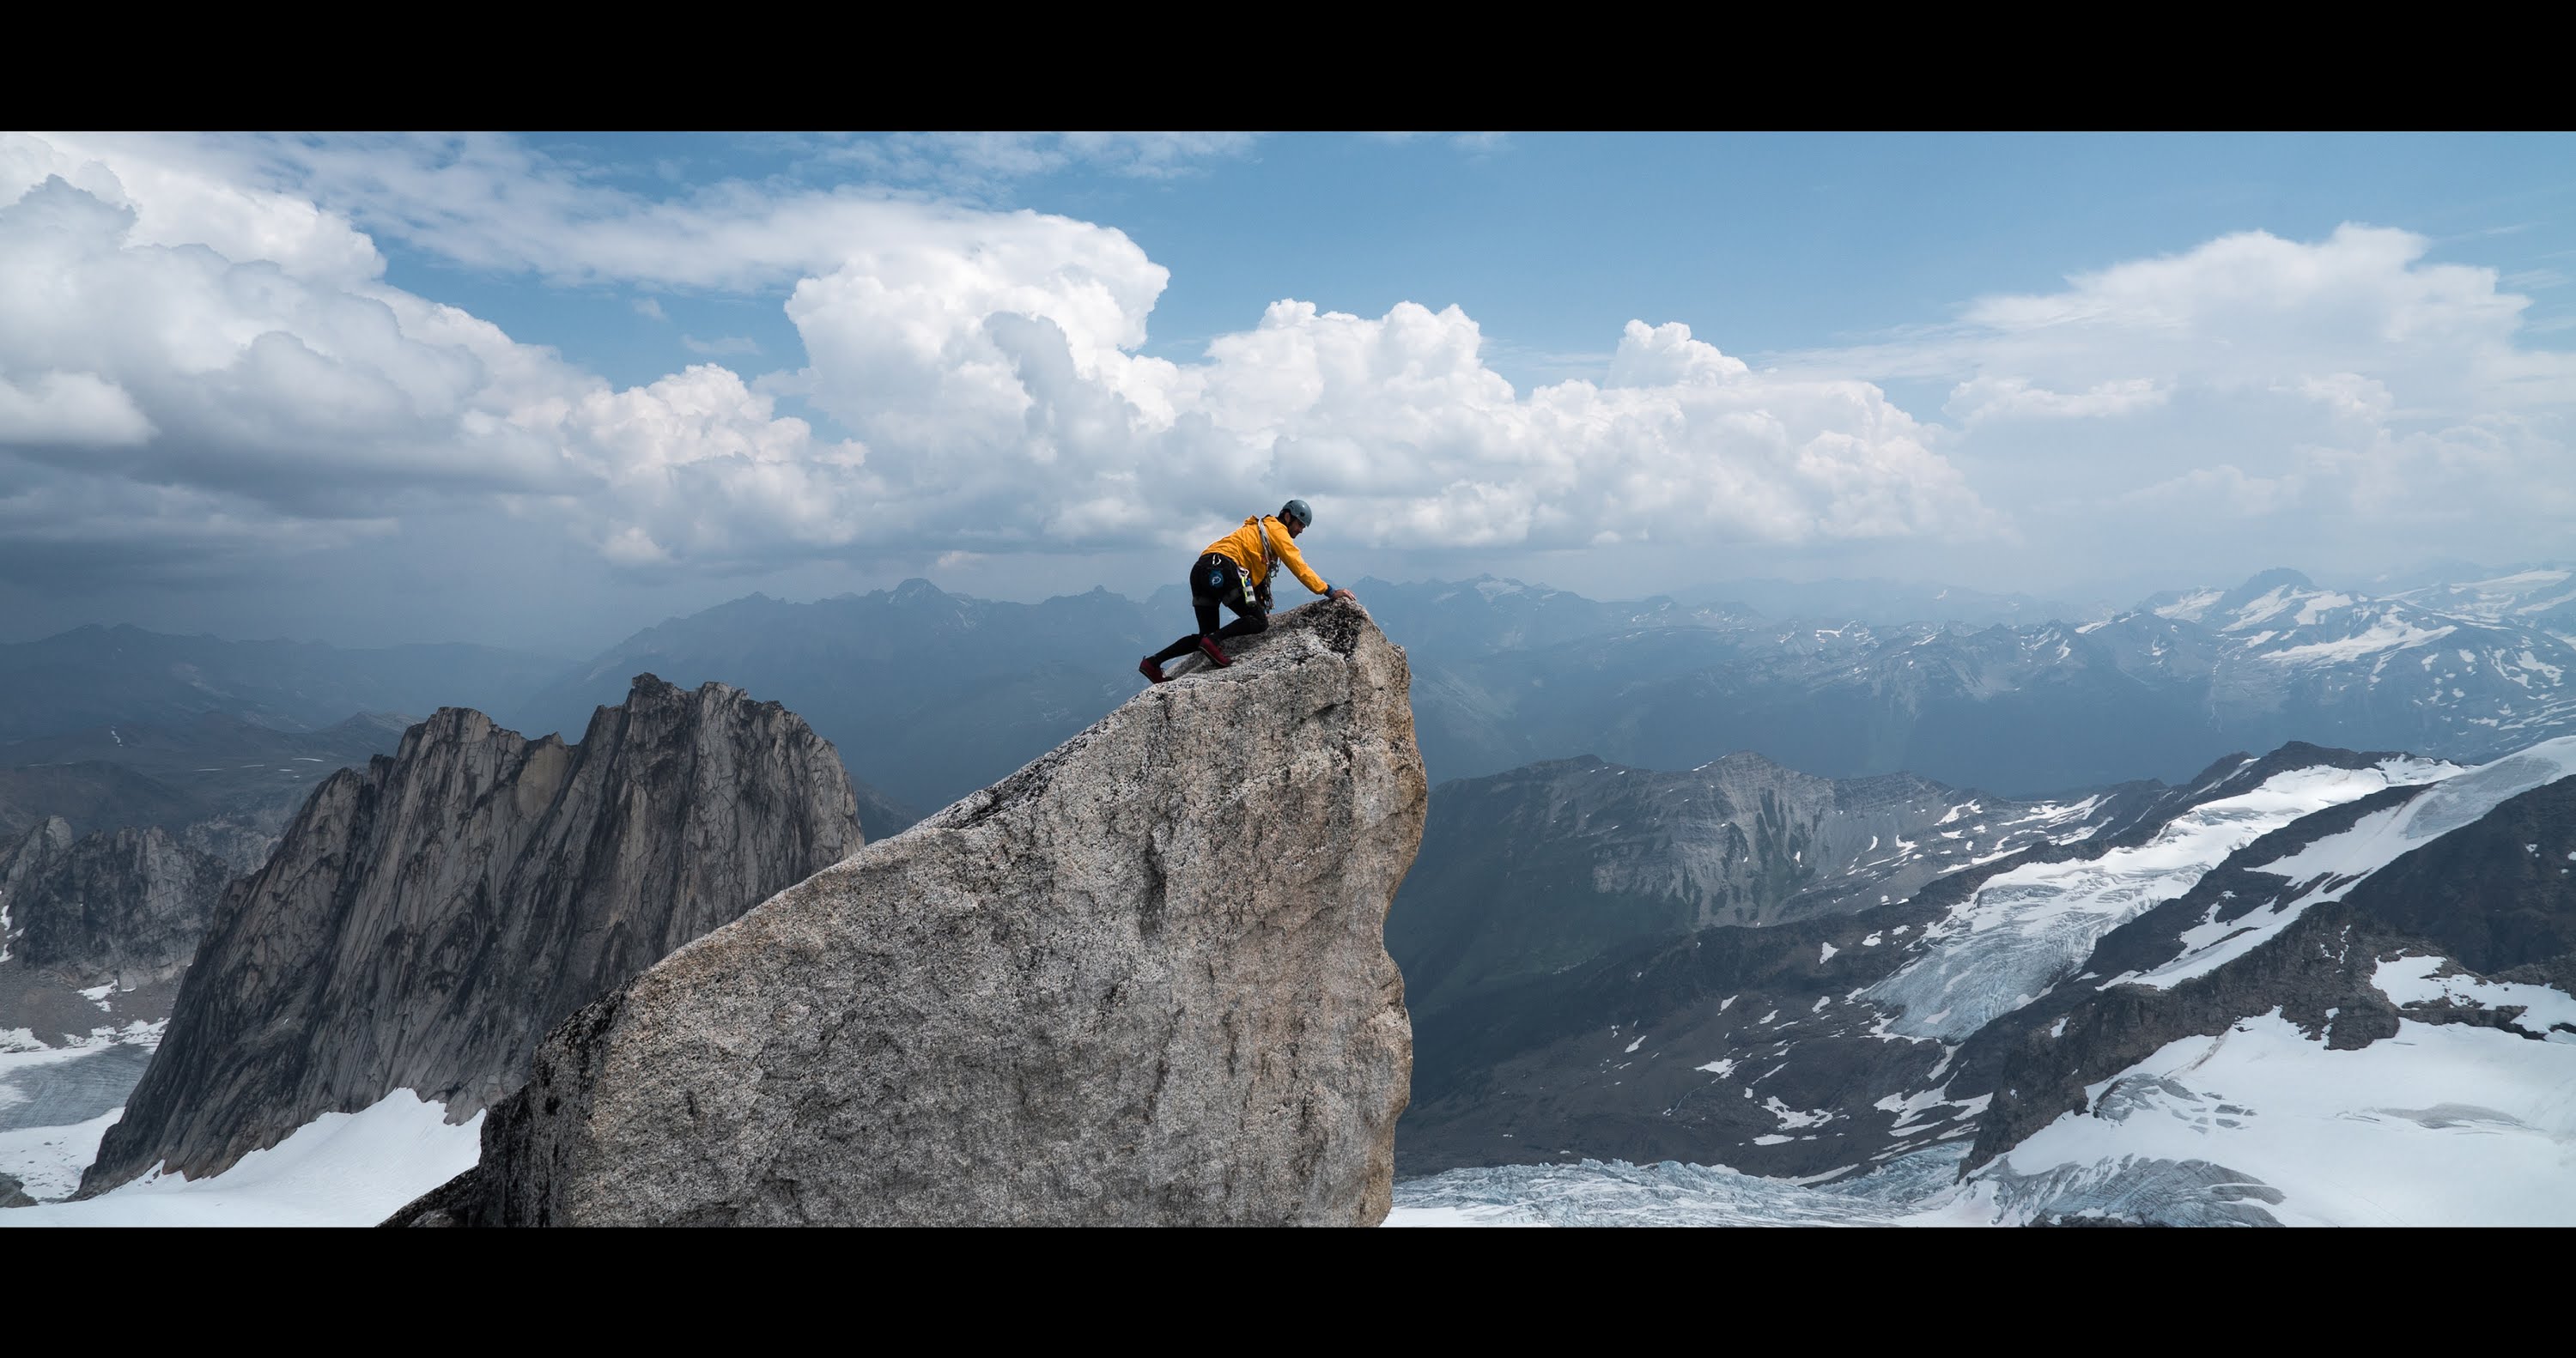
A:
(1140, 981)
(428, 919)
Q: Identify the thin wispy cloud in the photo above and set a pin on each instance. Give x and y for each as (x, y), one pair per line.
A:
(981, 164)
(722, 346)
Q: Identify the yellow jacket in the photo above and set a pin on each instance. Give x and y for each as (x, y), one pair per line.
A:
(1243, 548)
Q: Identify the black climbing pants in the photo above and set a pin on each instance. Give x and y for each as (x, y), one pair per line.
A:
(1217, 582)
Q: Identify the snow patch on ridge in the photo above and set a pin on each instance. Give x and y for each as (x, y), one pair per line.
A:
(2191, 607)
(2026, 928)
(2331, 867)
(2547, 1014)
(2388, 634)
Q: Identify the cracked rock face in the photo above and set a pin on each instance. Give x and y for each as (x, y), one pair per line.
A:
(125, 906)
(427, 919)
(1141, 981)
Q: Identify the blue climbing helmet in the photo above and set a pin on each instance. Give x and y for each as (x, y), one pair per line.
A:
(1297, 512)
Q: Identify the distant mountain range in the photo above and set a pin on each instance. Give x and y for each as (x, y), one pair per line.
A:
(1886, 602)
(928, 695)
(97, 677)
(210, 766)
(2020, 711)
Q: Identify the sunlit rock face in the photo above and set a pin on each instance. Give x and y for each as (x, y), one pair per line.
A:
(1141, 981)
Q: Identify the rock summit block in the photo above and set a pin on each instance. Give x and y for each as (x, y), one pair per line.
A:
(1141, 981)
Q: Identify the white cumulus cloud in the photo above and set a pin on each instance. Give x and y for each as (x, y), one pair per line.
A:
(74, 408)
(132, 371)
(987, 363)
(2345, 392)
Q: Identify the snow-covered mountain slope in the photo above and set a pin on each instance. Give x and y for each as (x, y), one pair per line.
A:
(1914, 1191)
(2020, 711)
(2436, 1125)
(2329, 868)
(1777, 1049)
(2364, 1016)
(2541, 596)
(2353, 898)
(2025, 929)
(340, 1169)
(57, 1100)
(2392, 984)
(1529, 872)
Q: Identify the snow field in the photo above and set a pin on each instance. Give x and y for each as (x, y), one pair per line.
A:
(50, 1160)
(2441, 1125)
(341, 1169)
(2025, 928)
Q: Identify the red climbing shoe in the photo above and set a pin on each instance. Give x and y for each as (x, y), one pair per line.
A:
(1207, 647)
(1150, 670)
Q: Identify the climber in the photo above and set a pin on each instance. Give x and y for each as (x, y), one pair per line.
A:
(1235, 571)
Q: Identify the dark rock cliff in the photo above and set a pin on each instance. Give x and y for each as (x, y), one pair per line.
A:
(125, 907)
(427, 919)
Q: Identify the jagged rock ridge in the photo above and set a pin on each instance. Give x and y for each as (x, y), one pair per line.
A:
(426, 920)
(1140, 981)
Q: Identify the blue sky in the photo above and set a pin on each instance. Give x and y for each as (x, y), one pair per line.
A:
(275, 383)
(1762, 242)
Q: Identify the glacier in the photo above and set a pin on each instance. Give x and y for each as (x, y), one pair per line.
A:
(2025, 929)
